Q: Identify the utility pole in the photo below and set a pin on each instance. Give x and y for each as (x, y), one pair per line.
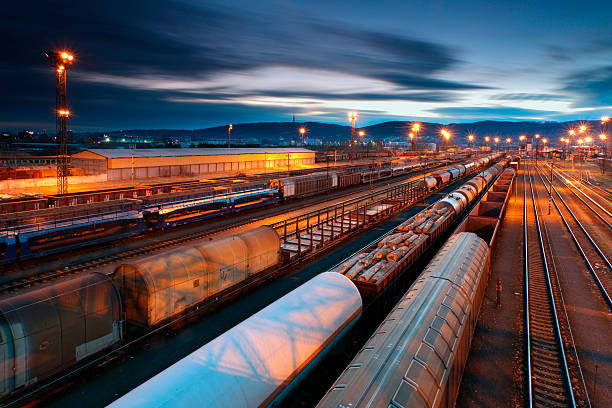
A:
(61, 61)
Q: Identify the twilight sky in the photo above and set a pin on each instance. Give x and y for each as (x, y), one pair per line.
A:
(194, 64)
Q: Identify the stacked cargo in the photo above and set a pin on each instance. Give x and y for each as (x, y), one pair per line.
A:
(428, 221)
(379, 262)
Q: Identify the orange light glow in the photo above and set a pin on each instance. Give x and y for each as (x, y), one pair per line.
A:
(588, 139)
(537, 136)
(416, 127)
(582, 128)
(64, 55)
(411, 135)
(605, 119)
(603, 136)
(63, 112)
(361, 133)
(487, 139)
(522, 137)
(580, 141)
(302, 131)
(544, 140)
(508, 140)
(572, 132)
(470, 137)
(352, 115)
(496, 140)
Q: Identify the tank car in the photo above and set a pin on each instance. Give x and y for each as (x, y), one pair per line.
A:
(50, 328)
(158, 287)
(252, 364)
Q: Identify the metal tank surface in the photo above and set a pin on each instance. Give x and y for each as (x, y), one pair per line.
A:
(251, 364)
(49, 328)
(442, 176)
(469, 191)
(429, 182)
(157, 287)
(263, 248)
(454, 201)
(478, 182)
(417, 355)
(455, 173)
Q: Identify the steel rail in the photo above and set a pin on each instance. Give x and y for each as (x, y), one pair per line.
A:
(584, 194)
(545, 386)
(580, 198)
(596, 277)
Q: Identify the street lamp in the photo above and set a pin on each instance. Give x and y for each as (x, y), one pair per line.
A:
(229, 135)
(416, 128)
(496, 142)
(470, 139)
(352, 115)
(508, 141)
(302, 131)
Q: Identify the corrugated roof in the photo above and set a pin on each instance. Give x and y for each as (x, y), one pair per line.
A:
(124, 153)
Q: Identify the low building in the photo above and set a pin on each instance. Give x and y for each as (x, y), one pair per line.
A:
(120, 164)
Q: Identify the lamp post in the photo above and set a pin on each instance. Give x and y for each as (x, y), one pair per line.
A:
(470, 140)
(352, 115)
(496, 144)
(229, 135)
(603, 138)
(508, 141)
(411, 136)
(604, 121)
(416, 128)
(446, 135)
(302, 131)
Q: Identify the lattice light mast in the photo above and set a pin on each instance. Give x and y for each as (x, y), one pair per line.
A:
(61, 61)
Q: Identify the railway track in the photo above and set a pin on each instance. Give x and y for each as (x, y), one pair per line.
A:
(597, 201)
(597, 262)
(554, 376)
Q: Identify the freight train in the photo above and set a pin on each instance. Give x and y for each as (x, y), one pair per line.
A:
(77, 220)
(46, 329)
(253, 363)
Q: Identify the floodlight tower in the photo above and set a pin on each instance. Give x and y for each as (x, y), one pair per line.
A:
(61, 61)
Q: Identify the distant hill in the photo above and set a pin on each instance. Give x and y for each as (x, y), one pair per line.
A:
(275, 132)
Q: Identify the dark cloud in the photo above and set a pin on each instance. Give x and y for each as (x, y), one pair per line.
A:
(591, 87)
(528, 97)
(493, 112)
(173, 39)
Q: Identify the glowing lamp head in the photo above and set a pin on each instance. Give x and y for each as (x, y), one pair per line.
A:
(605, 119)
(603, 136)
(537, 136)
(588, 139)
(496, 140)
(416, 127)
(231, 126)
(302, 131)
(508, 140)
(572, 132)
(361, 133)
(522, 137)
(470, 137)
(544, 140)
(411, 135)
(352, 115)
(62, 112)
(487, 139)
(582, 128)
(580, 141)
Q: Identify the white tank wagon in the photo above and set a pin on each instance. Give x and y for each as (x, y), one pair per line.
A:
(50, 328)
(478, 182)
(251, 364)
(429, 183)
(417, 355)
(469, 191)
(158, 287)
(454, 201)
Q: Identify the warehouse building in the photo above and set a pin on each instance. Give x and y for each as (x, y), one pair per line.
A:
(119, 164)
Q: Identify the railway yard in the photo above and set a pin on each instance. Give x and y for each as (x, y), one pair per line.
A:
(484, 281)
